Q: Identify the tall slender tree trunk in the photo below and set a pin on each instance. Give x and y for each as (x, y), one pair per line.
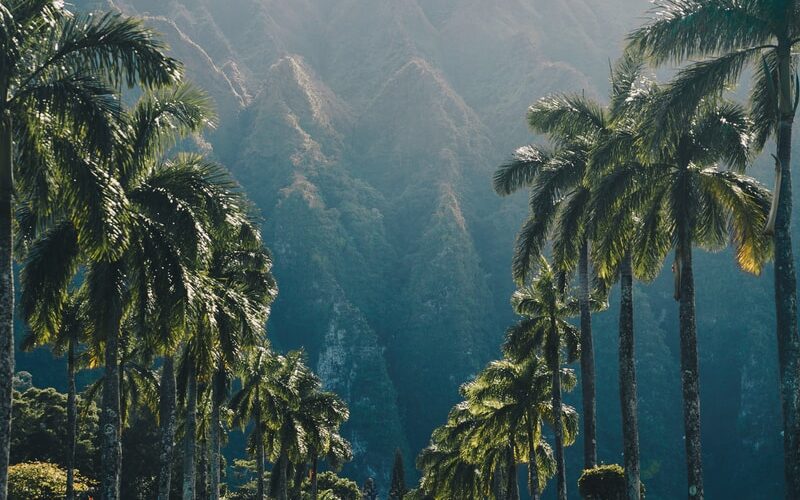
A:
(6, 297)
(533, 466)
(314, 479)
(300, 471)
(201, 485)
(627, 383)
(190, 438)
(588, 379)
(278, 480)
(217, 395)
(167, 417)
(690, 369)
(558, 430)
(498, 482)
(260, 451)
(110, 423)
(786, 282)
(512, 490)
(72, 421)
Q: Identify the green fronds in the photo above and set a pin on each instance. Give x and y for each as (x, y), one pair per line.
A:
(723, 134)
(566, 116)
(77, 101)
(764, 98)
(46, 277)
(746, 203)
(97, 203)
(121, 48)
(160, 119)
(653, 240)
(570, 229)
(521, 170)
(705, 80)
(689, 29)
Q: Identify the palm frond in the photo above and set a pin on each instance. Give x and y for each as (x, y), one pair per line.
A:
(566, 116)
(689, 29)
(50, 267)
(519, 173)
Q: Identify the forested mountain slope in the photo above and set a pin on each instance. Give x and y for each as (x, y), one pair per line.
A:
(366, 131)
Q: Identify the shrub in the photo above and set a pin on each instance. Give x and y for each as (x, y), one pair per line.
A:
(41, 481)
(604, 482)
(340, 487)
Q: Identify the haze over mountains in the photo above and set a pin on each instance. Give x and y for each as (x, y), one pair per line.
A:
(366, 131)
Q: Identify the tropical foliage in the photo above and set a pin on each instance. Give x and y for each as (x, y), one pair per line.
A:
(142, 260)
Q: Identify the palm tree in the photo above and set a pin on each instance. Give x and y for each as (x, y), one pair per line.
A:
(138, 382)
(166, 239)
(448, 464)
(559, 182)
(545, 329)
(241, 291)
(729, 36)
(164, 273)
(285, 435)
(53, 68)
(322, 413)
(170, 202)
(188, 388)
(613, 243)
(683, 199)
(70, 331)
(520, 396)
(257, 380)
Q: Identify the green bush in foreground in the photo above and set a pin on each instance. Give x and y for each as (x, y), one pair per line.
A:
(41, 481)
(604, 482)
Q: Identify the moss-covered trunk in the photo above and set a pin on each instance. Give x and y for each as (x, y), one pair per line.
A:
(588, 379)
(786, 281)
(259, 449)
(6, 298)
(627, 383)
(168, 397)
(512, 485)
(558, 431)
(190, 434)
(110, 418)
(690, 369)
(217, 390)
(72, 420)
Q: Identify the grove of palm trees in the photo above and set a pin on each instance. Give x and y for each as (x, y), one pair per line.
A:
(148, 272)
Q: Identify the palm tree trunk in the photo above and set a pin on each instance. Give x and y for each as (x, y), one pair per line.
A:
(498, 483)
(588, 379)
(110, 424)
(213, 459)
(189, 443)
(786, 282)
(300, 471)
(72, 421)
(512, 490)
(627, 383)
(201, 485)
(278, 487)
(6, 298)
(558, 431)
(690, 370)
(260, 450)
(167, 416)
(533, 467)
(314, 481)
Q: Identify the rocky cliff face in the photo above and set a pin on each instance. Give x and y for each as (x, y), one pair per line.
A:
(366, 131)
